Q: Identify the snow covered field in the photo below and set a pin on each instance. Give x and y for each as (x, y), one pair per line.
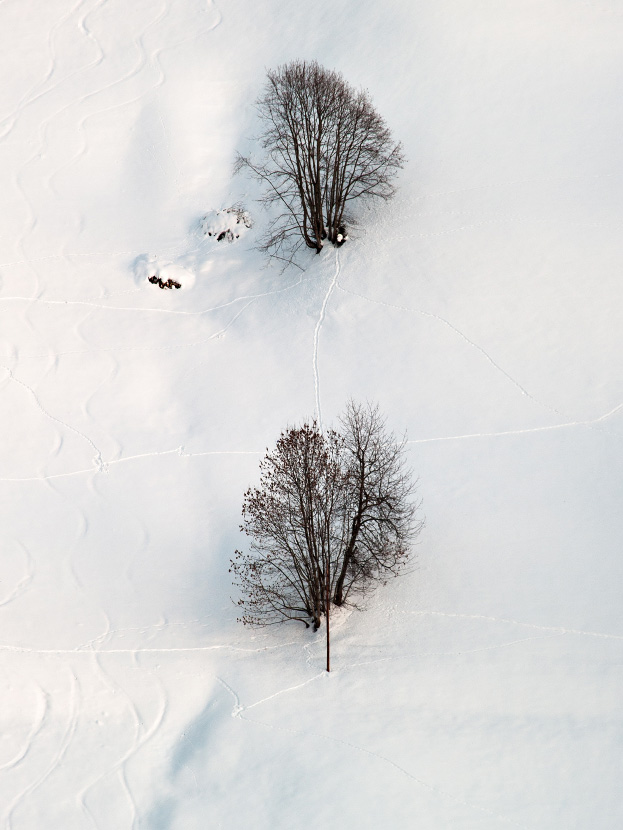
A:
(482, 309)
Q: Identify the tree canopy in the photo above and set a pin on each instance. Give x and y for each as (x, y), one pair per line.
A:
(334, 514)
(325, 146)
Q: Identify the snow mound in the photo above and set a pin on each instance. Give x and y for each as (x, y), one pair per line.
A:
(228, 224)
(162, 273)
(339, 615)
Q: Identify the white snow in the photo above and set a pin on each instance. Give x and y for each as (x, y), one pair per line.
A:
(482, 309)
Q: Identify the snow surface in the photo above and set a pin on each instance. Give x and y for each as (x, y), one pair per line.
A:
(481, 309)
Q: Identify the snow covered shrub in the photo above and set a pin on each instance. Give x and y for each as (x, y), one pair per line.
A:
(227, 224)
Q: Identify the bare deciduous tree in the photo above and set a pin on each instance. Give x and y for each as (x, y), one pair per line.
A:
(291, 518)
(325, 146)
(334, 515)
(380, 511)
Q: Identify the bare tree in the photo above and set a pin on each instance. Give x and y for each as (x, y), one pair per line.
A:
(292, 519)
(334, 515)
(380, 506)
(325, 146)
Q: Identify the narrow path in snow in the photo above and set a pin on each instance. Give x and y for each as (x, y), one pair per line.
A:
(321, 318)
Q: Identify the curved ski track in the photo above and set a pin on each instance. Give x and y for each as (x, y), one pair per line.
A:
(39, 744)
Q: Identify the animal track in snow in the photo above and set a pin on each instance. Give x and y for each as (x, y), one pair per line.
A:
(457, 653)
(569, 421)
(457, 331)
(550, 629)
(249, 298)
(104, 466)
(586, 423)
(89, 649)
(93, 301)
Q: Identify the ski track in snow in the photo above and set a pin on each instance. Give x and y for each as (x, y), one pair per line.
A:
(106, 465)
(145, 631)
(82, 529)
(141, 735)
(24, 582)
(97, 458)
(142, 63)
(458, 332)
(145, 60)
(40, 150)
(547, 632)
(87, 402)
(39, 90)
(39, 719)
(143, 310)
(239, 712)
(90, 649)
(42, 714)
(281, 691)
(135, 71)
(59, 754)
